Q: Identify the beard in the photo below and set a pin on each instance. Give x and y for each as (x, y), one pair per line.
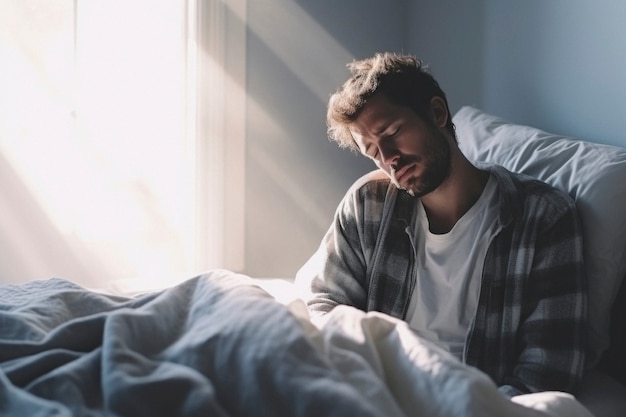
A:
(437, 165)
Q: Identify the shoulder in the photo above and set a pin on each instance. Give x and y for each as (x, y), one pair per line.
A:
(373, 186)
(533, 188)
(371, 198)
(371, 180)
(527, 196)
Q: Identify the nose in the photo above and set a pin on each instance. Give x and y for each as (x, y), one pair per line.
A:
(389, 155)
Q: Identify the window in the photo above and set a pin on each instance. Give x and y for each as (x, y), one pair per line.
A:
(112, 134)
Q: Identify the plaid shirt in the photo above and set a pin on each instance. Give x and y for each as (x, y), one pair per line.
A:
(528, 333)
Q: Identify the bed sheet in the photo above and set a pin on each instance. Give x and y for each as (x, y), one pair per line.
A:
(221, 345)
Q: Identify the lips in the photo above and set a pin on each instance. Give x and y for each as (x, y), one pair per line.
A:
(399, 175)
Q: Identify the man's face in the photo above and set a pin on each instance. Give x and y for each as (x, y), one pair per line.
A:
(413, 152)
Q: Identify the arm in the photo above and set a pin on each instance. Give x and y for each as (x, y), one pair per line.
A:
(335, 274)
(551, 336)
(330, 277)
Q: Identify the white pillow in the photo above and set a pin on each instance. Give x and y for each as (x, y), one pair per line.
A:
(593, 174)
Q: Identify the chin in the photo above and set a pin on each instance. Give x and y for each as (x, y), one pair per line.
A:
(415, 191)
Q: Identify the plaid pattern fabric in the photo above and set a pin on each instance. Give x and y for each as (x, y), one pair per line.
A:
(528, 333)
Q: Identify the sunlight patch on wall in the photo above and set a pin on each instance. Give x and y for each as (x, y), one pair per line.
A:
(312, 55)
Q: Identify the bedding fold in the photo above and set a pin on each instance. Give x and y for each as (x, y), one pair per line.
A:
(220, 345)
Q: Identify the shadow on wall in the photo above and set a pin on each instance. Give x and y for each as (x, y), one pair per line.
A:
(295, 175)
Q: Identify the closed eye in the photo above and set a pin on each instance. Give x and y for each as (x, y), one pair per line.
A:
(372, 150)
(395, 132)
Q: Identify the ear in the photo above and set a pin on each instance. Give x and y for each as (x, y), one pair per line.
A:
(440, 111)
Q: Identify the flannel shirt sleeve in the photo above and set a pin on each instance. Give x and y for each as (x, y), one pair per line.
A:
(335, 274)
(551, 337)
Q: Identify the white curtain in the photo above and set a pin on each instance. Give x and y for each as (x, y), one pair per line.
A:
(110, 127)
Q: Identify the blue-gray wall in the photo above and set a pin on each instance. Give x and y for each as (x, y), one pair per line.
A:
(559, 65)
(297, 52)
(448, 36)
(555, 64)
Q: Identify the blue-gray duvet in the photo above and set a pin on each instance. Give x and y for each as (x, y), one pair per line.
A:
(218, 345)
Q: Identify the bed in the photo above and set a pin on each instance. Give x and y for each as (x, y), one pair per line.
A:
(225, 344)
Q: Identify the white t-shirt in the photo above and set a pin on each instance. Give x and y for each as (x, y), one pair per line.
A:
(448, 272)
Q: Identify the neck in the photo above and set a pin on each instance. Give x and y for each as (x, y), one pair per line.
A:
(453, 198)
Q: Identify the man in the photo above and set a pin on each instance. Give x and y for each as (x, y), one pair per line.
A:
(483, 262)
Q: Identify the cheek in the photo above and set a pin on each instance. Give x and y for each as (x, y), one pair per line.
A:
(412, 143)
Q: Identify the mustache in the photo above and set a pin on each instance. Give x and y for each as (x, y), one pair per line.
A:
(401, 163)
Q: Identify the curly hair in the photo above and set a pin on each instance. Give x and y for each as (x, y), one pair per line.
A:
(403, 79)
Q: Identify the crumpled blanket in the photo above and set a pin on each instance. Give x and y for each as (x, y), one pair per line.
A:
(219, 345)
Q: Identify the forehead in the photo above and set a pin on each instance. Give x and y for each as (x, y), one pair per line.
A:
(377, 114)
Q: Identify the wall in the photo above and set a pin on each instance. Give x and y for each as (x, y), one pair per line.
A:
(297, 51)
(556, 65)
(448, 36)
